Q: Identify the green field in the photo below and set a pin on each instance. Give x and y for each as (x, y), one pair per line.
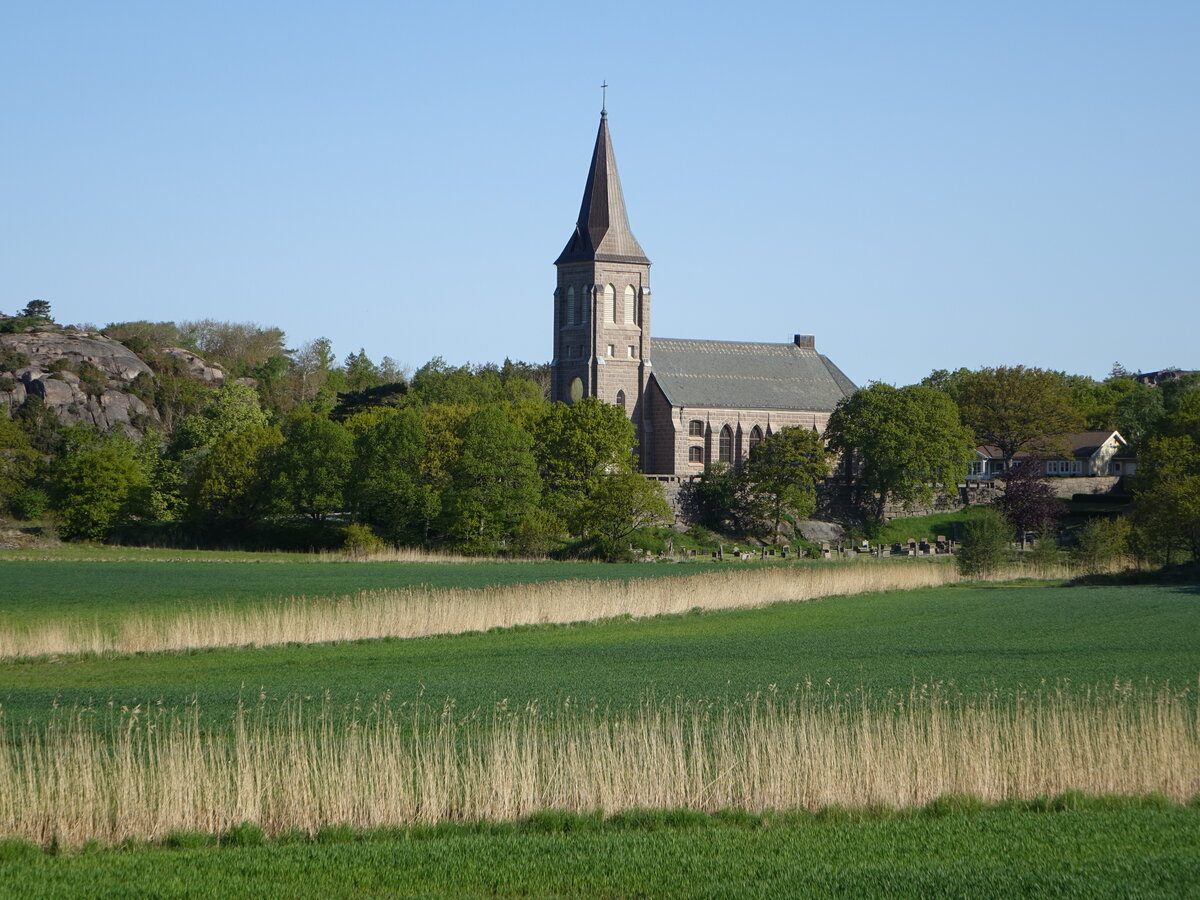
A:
(970, 638)
(979, 638)
(1129, 852)
(36, 591)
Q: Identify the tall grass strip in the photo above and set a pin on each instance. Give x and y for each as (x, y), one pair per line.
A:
(146, 774)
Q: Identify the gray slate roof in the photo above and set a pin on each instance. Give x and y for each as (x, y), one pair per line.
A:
(744, 375)
(602, 231)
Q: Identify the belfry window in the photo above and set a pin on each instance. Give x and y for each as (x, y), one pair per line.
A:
(630, 304)
(725, 446)
(572, 314)
(610, 304)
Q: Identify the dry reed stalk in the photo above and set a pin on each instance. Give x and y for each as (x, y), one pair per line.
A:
(306, 768)
(419, 612)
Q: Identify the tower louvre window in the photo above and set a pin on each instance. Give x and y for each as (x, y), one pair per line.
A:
(571, 310)
(610, 304)
(630, 305)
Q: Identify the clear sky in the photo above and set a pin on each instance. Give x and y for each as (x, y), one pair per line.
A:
(921, 185)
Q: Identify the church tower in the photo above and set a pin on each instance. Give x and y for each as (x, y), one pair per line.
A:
(602, 302)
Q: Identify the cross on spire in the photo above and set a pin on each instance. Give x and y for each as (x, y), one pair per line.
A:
(604, 98)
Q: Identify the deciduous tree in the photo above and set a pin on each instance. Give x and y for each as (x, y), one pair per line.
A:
(312, 465)
(783, 470)
(1015, 409)
(902, 442)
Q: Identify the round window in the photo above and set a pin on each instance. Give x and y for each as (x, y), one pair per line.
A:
(576, 389)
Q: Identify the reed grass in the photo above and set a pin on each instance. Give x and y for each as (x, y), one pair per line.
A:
(144, 774)
(420, 612)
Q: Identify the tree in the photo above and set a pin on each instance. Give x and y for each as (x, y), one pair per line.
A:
(18, 460)
(1028, 501)
(1166, 494)
(901, 441)
(617, 507)
(231, 409)
(231, 482)
(577, 446)
(1016, 409)
(783, 470)
(96, 488)
(239, 346)
(312, 465)
(495, 482)
(361, 373)
(37, 309)
(392, 487)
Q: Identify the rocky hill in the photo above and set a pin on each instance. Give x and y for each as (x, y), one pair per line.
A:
(83, 376)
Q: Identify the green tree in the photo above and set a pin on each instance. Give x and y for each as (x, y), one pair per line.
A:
(1102, 542)
(18, 460)
(901, 443)
(495, 482)
(618, 506)
(95, 489)
(312, 465)
(577, 446)
(361, 373)
(783, 471)
(1166, 495)
(1015, 409)
(232, 409)
(37, 309)
(393, 487)
(231, 483)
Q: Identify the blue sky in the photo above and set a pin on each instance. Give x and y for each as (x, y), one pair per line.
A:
(920, 185)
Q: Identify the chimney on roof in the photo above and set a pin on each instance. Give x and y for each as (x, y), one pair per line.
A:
(806, 341)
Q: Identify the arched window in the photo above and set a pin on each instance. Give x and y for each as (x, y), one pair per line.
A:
(725, 447)
(695, 428)
(571, 313)
(755, 438)
(621, 399)
(610, 304)
(695, 454)
(630, 304)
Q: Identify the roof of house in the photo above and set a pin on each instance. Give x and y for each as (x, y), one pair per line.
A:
(744, 375)
(1079, 444)
(602, 231)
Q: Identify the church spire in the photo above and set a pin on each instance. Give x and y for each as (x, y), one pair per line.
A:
(602, 231)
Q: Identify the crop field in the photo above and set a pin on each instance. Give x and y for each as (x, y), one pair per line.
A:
(881, 700)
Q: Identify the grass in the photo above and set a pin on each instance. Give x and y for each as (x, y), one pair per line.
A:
(422, 612)
(103, 591)
(927, 527)
(151, 772)
(1122, 852)
(979, 637)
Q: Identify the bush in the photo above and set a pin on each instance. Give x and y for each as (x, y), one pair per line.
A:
(29, 504)
(1102, 543)
(11, 360)
(985, 546)
(361, 540)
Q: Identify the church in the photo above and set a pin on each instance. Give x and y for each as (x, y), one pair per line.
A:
(692, 402)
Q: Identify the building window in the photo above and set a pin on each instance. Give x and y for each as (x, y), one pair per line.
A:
(610, 349)
(621, 399)
(725, 446)
(571, 313)
(755, 438)
(576, 391)
(695, 428)
(632, 352)
(630, 304)
(695, 454)
(610, 304)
